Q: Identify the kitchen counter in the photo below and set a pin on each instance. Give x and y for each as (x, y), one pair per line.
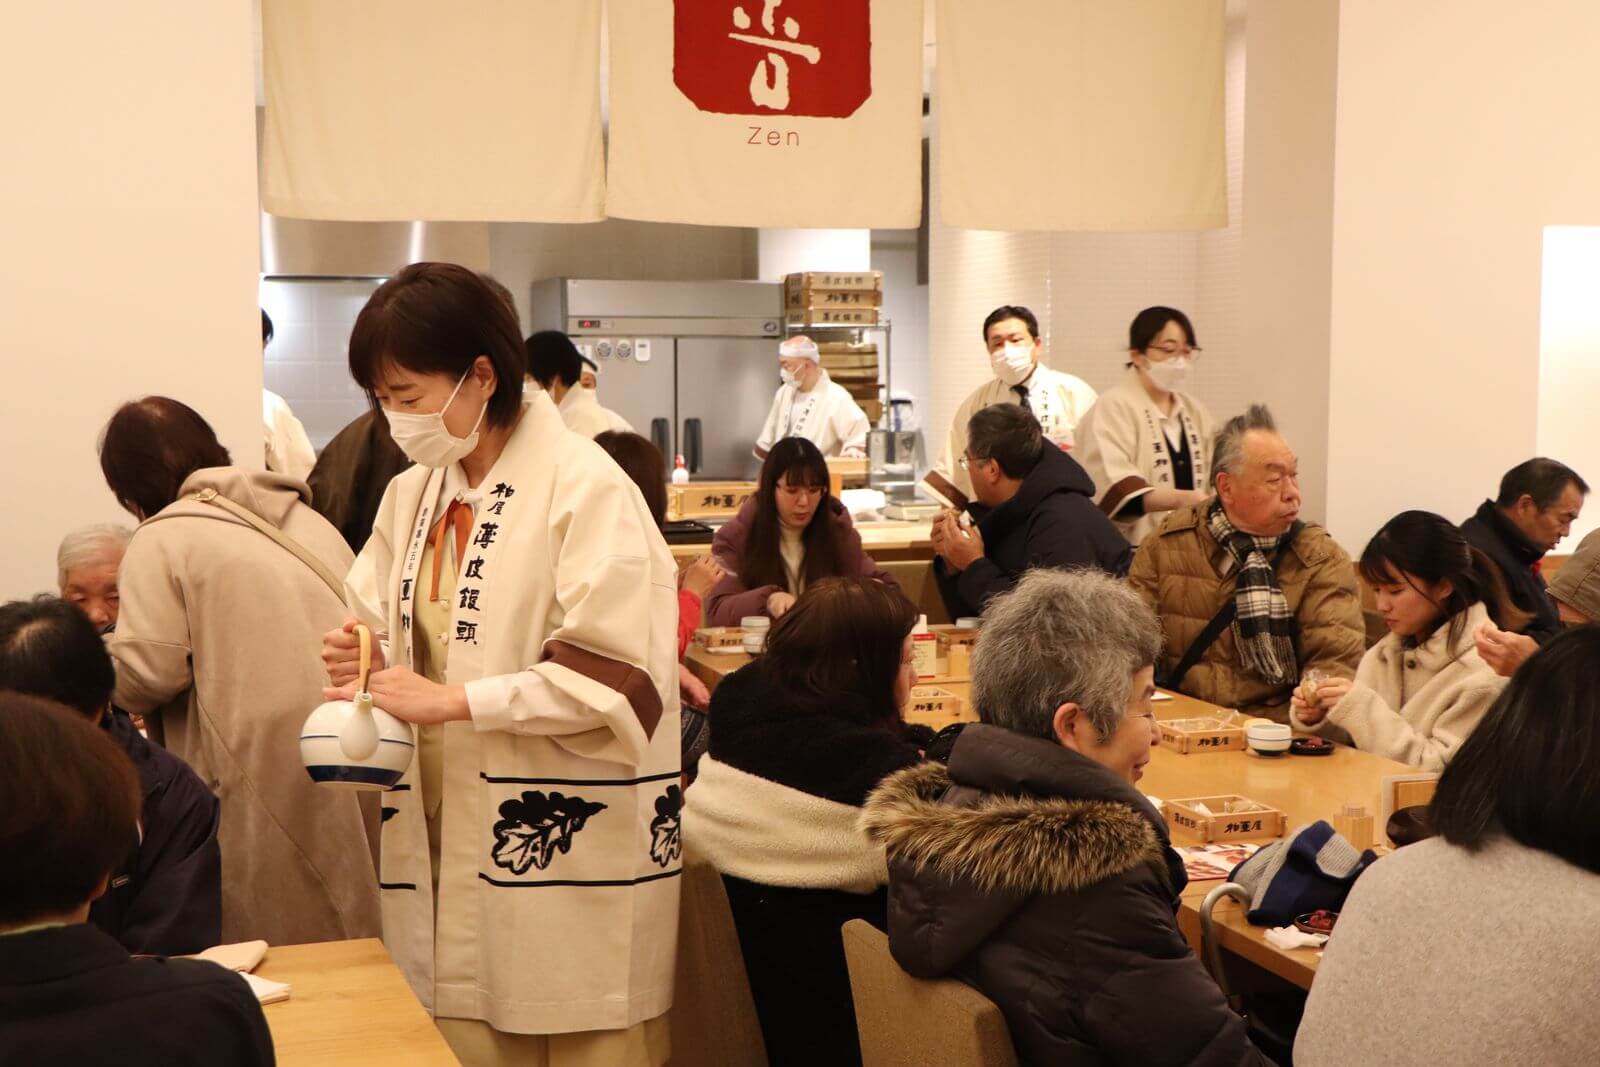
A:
(884, 540)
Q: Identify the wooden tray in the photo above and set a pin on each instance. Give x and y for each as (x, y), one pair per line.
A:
(707, 500)
(719, 637)
(1188, 736)
(1223, 825)
(936, 707)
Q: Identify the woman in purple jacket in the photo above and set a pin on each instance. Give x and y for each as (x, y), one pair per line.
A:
(792, 533)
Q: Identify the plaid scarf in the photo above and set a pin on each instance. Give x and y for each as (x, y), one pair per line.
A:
(1263, 626)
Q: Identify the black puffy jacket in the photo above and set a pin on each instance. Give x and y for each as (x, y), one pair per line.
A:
(1052, 521)
(1048, 883)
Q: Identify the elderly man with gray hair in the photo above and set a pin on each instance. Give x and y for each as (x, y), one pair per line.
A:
(1251, 599)
(86, 571)
(1032, 868)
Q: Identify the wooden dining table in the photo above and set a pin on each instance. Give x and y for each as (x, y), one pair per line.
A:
(1304, 788)
(348, 1004)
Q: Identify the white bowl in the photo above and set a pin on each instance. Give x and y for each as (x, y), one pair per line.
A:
(755, 642)
(755, 622)
(969, 622)
(1268, 738)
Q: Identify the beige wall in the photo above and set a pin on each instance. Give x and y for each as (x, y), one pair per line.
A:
(1287, 241)
(1464, 128)
(130, 247)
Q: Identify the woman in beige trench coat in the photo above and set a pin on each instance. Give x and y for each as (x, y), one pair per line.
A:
(218, 646)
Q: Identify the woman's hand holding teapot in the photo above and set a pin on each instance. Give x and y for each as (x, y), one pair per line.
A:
(341, 655)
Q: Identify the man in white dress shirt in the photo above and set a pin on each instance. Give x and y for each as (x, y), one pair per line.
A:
(812, 405)
(556, 365)
(1058, 400)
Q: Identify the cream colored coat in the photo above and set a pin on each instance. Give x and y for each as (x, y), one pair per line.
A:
(581, 411)
(1125, 451)
(1416, 705)
(1057, 399)
(557, 908)
(219, 644)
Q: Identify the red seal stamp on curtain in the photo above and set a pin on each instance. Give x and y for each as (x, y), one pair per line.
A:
(773, 57)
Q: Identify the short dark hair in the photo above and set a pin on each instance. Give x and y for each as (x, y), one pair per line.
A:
(841, 646)
(1007, 434)
(553, 357)
(69, 809)
(1151, 321)
(149, 449)
(643, 462)
(50, 649)
(1542, 479)
(266, 326)
(1531, 768)
(1011, 311)
(438, 318)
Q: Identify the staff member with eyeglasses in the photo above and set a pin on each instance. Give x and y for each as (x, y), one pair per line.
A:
(1145, 441)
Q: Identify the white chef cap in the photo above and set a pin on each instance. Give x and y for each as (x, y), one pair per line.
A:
(799, 347)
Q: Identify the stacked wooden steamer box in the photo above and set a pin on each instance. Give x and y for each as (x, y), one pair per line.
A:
(824, 301)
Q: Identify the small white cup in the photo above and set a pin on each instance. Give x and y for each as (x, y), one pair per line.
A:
(969, 622)
(1268, 738)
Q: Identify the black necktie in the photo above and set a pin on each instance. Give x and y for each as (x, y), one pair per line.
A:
(1022, 396)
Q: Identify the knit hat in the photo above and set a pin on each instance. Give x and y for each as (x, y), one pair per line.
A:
(1577, 583)
(799, 347)
(1311, 868)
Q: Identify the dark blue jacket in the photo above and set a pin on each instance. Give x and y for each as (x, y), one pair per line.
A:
(167, 899)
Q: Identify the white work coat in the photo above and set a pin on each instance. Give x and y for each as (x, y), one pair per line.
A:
(1124, 447)
(1058, 400)
(581, 411)
(557, 908)
(288, 449)
(827, 416)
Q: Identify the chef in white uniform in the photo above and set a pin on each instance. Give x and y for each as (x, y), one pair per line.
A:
(556, 365)
(527, 611)
(288, 448)
(1058, 400)
(812, 405)
(1147, 442)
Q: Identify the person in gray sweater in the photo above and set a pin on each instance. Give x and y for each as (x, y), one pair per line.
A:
(1478, 946)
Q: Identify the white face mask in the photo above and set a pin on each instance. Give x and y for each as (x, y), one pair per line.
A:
(1171, 374)
(1012, 364)
(789, 377)
(424, 438)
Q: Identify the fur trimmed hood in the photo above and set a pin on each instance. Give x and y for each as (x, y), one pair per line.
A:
(1006, 844)
(1014, 819)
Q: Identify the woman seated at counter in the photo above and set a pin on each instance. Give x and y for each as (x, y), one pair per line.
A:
(1422, 689)
(798, 740)
(790, 535)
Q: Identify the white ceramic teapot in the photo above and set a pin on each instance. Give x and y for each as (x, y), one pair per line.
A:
(352, 744)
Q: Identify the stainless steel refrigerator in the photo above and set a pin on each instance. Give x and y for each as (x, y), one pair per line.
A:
(692, 365)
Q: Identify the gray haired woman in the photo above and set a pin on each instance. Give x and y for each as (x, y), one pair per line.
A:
(1032, 868)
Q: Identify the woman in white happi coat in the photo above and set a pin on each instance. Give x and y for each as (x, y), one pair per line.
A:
(1057, 399)
(1146, 442)
(812, 405)
(527, 607)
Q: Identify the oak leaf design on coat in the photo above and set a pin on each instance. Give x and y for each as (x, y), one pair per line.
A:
(666, 835)
(531, 829)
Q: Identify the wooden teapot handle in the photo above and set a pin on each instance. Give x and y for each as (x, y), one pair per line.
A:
(364, 635)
